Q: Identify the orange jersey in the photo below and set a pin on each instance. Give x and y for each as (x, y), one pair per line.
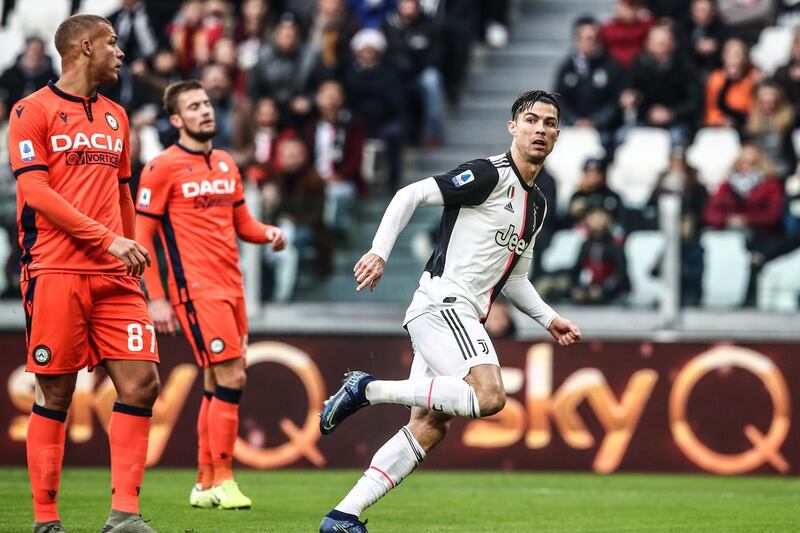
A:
(80, 146)
(194, 196)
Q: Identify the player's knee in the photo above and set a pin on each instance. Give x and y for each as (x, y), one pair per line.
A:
(492, 401)
(235, 379)
(58, 400)
(141, 392)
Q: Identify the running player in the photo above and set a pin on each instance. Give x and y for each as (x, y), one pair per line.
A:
(80, 267)
(192, 195)
(493, 211)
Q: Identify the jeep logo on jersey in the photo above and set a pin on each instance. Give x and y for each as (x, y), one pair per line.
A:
(62, 143)
(511, 240)
(193, 188)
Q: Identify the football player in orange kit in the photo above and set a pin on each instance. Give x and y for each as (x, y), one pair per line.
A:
(80, 268)
(192, 195)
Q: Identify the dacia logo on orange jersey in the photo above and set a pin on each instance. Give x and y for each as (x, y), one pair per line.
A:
(61, 143)
(192, 188)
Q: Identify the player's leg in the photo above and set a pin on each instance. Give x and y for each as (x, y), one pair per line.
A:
(202, 495)
(465, 382)
(56, 307)
(123, 340)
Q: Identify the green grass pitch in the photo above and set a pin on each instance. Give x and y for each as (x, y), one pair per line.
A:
(435, 501)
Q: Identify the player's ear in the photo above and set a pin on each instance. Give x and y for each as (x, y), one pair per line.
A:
(86, 47)
(176, 121)
(512, 127)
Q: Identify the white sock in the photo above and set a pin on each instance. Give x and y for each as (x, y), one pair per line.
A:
(392, 463)
(447, 394)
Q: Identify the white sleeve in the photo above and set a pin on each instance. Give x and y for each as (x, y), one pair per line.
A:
(520, 291)
(399, 211)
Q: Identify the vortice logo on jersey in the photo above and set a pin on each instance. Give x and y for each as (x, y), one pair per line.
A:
(92, 158)
(192, 188)
(223, 166)
(144, 197)
(62, 143)
(463, 178)
(41, 354)
(511, 240)
(112, 121)
(26, 150)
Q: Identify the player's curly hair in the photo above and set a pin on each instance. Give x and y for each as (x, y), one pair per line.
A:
(526, 100)
(172, 92)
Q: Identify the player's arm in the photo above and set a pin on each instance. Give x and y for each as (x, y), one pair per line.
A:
(153, 197)
(251, 230)
(369, 269)
(521, 292)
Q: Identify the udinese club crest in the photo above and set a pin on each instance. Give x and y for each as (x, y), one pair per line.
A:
(112, 121)
(41, 354)
(216, 345)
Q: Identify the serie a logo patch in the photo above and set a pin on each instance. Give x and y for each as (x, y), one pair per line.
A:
(41, 354)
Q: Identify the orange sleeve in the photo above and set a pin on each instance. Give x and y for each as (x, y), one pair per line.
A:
(247, 228)
(35, 188)
(154, 188)
(124, 169)
(146, 229)
(127, 211)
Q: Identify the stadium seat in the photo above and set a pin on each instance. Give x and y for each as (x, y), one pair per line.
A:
(713, 153)
(100, 7)
(772, 49)
(563, 250)
(727, 268)
(643, 249)
(637, 164)
(12, 42)
(565, 163)
(779, 284)
(31, 19)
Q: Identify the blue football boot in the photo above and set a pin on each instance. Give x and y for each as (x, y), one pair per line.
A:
(347, 400)
(339, 522)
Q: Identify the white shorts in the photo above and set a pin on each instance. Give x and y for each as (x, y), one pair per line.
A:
(448, 344)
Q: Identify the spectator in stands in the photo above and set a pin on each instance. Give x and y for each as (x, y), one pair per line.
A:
(374, 94)
(770, 127)
(8, 212)
(676, 10)
(788, 76)
(193, 34)
(680, 178)
(415, 42)
(135, 35)
(494, 22)
(372, 13)
(254, 27)
(458, 21)
(255, 143)
(231, 112)
(729, 90)
(663, 92)
(30, 72)
(624, 35)
(600, 274)
(704, 35)
(588, 82)
(746, 19)
(332, 29)
(593, 191)
(224, 54)
(336, 144)
(547, 185)
(287, 70)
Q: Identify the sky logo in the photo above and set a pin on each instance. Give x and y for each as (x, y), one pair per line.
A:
(463, 178)
(26, 151)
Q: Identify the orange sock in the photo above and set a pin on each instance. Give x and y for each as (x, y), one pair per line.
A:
(45, 447)
(223, 426)
(205, 469)
(128, 435)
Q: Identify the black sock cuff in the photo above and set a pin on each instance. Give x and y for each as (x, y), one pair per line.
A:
(208, 394)
(58, 416)
(131, 410)
(227, 394)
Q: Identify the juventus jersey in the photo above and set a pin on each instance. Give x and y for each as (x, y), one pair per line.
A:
(490, 221)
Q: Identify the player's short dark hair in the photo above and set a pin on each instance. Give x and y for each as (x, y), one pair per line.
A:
(174, 90)
(74, 27)
(526, 100)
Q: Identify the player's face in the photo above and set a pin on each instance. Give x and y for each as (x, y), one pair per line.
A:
(195, 115)
(106, 58)
(535, 131)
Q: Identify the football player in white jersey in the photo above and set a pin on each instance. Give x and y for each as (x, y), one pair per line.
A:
(492, 213)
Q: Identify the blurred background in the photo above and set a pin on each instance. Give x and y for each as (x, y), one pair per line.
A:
(674, 190)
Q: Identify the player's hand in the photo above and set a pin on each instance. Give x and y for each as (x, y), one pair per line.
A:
(368, 271)
(277, 237)
(131, 253)
(164, 318)
(564, 331)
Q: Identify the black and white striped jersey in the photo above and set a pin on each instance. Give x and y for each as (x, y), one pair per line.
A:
(491, 218)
